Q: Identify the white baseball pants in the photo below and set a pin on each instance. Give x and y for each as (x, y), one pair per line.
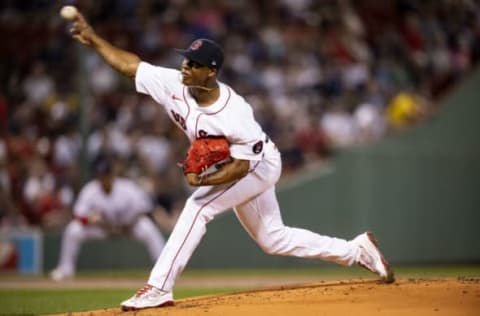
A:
(254, 201)
(144, 230)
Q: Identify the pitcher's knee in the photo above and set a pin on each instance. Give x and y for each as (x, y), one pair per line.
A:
(202, 212)
(275, 243)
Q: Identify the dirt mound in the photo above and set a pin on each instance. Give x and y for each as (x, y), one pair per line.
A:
(405, 297)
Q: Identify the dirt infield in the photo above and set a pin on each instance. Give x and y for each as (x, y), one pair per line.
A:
(405, 297)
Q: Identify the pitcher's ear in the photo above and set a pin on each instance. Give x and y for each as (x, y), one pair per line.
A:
(212, 72)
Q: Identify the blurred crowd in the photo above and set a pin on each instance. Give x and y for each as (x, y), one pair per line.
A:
(321, 75)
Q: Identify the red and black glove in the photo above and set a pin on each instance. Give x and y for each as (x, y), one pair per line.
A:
(205, 153)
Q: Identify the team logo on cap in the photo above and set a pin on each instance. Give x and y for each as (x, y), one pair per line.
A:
(196, 45)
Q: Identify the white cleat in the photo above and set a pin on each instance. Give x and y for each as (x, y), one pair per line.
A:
(58, 275)
(371, 258)
(147, 297)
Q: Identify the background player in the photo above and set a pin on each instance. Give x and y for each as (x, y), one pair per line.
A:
(202, 106)
(107, 206)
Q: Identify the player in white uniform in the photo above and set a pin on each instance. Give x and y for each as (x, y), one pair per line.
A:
(202, 106)
(107, 206)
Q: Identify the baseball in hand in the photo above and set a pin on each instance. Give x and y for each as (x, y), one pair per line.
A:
(68, 12)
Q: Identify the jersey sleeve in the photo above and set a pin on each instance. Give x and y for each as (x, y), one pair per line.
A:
(247, 141)
(82, 206)
(247, 151)
(158, 82)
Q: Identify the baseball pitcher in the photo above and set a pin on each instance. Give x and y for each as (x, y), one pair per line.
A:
(205, 108)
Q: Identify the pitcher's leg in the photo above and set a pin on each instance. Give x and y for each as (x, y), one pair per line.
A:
(262, 219)
(199, 209)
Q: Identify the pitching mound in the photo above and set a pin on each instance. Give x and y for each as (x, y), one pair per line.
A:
(405, 297)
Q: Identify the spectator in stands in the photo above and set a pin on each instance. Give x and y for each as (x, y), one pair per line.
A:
(339, 126)
(38, 85)
(41, 194)
(10, 217)
(307, 55)
(405, 109)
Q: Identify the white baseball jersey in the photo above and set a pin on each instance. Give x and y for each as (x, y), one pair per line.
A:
(252, 197)
(122, 206)
(230, 116)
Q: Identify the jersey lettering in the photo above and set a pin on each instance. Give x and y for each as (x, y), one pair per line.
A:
(179, 119)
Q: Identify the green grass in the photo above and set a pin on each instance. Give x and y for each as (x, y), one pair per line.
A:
(51, 301)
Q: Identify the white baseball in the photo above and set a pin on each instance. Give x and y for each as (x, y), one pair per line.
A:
(68, 12)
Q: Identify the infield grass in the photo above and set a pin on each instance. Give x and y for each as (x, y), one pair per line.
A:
(52, 301)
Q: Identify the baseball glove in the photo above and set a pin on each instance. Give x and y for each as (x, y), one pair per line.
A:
(205, 155)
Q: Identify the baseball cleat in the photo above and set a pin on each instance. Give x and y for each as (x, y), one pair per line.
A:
(371, 258)
(147, 297)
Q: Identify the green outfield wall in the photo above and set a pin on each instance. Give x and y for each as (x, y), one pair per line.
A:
(418, 191)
